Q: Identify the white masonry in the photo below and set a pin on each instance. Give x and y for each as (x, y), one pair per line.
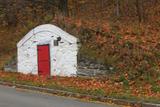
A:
(63, 57)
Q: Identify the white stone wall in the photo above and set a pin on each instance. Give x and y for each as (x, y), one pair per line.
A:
(63, 58)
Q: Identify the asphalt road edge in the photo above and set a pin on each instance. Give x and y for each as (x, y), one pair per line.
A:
(81, 96)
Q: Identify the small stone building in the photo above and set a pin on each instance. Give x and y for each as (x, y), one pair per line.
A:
(49, 51)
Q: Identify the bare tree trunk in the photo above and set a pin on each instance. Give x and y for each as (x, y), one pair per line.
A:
(76, 8)
(10, 13)
(102, 7)
(140, 10)
(63, 6)
(118, 8)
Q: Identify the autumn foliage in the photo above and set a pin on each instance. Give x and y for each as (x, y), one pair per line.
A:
(117, 87)
(124, 37)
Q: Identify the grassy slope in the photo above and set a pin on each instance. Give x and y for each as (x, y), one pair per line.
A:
(127, 47)
(130, 48)
(9, 36)
(101, 87)
(123, 46)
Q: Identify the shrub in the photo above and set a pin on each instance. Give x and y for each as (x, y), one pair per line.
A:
(124, 80)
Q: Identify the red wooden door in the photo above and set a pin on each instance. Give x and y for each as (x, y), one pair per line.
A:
(43, 60)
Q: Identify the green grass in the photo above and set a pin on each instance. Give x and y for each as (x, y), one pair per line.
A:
(126, 94)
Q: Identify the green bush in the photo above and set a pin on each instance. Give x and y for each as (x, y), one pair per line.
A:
(124, 80)
(156, 88)
(99, 92)
(48, 18)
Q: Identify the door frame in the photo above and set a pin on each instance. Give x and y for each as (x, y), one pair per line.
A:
(48, 55)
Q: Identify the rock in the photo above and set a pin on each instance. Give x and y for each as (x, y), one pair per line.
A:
(11, 65)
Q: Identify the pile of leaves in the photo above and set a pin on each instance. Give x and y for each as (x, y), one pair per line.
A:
(119, 87)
